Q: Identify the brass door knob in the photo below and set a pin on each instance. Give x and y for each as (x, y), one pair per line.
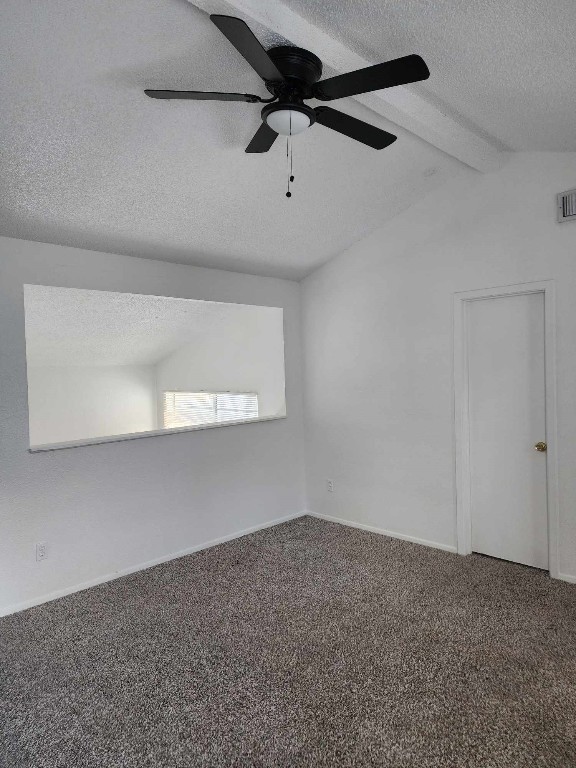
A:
(542, 447)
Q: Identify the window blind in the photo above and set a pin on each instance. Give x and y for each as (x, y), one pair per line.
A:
(188, 409)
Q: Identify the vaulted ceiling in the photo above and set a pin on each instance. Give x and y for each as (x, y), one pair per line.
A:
(87, 160)
(503, 68)
(76, 327)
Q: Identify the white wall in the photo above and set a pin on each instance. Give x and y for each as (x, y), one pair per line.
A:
(379, 340)
(244, 354)
(68, 403)
(105, 508)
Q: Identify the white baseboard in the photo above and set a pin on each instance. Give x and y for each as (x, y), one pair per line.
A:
(16, 607)
(383, 532)
(5, 611)
(414, 539)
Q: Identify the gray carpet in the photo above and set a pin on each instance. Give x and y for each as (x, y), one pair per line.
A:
(309, 644)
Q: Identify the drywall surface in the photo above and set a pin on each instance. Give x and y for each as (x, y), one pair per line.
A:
(242, 354)
(99, 165)
(68, 403)
(378, 333)
(101, 509)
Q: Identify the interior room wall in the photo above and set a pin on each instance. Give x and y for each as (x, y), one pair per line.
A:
(103, 510)
(68, 403)
(245, 354)
(378, 332)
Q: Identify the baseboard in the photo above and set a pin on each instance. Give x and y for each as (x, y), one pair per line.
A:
(383, 532)
(142, 566)
(567, 577)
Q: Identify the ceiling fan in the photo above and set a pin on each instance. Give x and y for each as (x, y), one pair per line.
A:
(292, 75)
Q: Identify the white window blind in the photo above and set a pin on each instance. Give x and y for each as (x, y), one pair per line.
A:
(188, 409)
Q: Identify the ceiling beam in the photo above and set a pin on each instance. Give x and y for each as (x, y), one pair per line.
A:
(399, 105)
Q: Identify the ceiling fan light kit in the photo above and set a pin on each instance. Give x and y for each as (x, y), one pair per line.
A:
(288, 119)
(292, 75)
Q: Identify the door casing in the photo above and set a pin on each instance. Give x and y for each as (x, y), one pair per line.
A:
(461, 412)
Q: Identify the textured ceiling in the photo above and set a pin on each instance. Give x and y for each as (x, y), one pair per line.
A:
(503, 67)
(72, 326)
(87, 160)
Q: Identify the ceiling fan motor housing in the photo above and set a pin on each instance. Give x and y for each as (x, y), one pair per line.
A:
(301, 69)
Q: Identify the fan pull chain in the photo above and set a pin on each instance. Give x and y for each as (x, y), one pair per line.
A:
(288, 148)
(289, 159)
(289, 164)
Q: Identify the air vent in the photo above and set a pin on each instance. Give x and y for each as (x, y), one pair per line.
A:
(567, 206)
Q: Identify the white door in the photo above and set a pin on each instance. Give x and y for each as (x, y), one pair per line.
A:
(506, 380)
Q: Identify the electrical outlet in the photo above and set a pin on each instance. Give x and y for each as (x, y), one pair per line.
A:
(41, 551)
(330, 486)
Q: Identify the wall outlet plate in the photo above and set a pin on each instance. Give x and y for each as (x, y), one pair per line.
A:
(41, 551)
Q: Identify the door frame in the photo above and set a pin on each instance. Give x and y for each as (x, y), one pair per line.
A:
(462, 421)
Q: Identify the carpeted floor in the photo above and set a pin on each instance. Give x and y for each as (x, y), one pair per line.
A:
(309, 644)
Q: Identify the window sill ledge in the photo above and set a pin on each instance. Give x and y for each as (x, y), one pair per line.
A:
(151, 433)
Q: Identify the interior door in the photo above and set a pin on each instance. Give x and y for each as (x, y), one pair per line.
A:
(507, 417)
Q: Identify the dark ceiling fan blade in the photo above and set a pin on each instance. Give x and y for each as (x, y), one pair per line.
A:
(262, 139)
(244, 40)
(203, 96)
(355, 129)
(408, 69)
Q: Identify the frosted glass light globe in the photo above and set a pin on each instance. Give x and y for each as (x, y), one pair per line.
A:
(288, 122)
